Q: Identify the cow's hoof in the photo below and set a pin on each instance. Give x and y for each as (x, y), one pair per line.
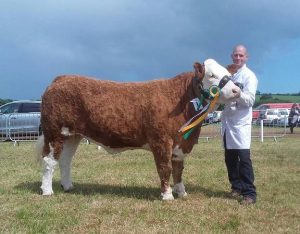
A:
(182, 195)
(167, 195)
(67, 188)
(46, 193)
(179, 189)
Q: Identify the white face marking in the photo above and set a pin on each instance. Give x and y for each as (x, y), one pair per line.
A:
(214, 72)
(179, 154)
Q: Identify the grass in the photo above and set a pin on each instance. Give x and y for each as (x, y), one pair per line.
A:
(120, 194)
(278, 98)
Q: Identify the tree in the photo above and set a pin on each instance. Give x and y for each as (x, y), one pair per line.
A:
(266, 96)
(4, 101)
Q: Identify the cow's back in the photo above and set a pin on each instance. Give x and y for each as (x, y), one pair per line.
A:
(107, 111)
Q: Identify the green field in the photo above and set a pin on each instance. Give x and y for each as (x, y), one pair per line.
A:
(278, 99)
(287, 98)
(120, 194)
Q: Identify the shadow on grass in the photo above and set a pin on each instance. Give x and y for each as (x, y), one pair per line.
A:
(90, 189)
(191, 188)
(138, 192)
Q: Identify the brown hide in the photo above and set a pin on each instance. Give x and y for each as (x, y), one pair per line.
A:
(119, 114)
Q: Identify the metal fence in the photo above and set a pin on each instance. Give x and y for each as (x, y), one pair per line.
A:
(26, 127)
(260, 130)
(20, 127)
(264, 129)
(210, 131)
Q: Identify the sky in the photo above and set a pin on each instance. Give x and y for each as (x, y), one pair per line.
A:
(141, 40)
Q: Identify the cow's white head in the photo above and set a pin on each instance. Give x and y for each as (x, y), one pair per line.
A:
(213, 74)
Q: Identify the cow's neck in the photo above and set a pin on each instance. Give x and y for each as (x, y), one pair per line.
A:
(197, 87)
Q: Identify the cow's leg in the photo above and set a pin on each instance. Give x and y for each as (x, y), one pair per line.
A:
(162, 154)
(179, 188)
(49, 163)
(69, 149)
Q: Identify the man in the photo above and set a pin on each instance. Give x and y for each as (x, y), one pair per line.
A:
(236, 129)
(293, 117)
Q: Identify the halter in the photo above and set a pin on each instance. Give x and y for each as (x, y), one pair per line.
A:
(211, 95)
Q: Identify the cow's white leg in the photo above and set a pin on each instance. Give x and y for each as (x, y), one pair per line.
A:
(69, 149)
(167, 195)
(162, 151)
(178, 166)
(49, 164)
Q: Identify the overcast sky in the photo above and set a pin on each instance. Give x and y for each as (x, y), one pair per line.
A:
(137, 40)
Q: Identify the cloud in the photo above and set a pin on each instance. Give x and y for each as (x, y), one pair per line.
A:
(136, 40)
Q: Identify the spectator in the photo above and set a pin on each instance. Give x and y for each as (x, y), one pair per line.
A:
(293, 117)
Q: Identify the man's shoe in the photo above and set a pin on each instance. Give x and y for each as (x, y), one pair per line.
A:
(235, 194)
(247, 201)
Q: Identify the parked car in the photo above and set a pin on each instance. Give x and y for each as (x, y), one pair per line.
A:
(213, 117)
(20, 119)
(282, 122)
(272, 116)
(257, 111)
(217, 116)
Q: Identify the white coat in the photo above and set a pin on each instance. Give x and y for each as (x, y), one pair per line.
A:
(237, 116)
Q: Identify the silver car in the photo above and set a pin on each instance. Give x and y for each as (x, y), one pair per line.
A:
(271, 116)
(20, 120)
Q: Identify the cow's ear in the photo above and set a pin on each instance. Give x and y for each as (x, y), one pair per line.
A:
(232, 68)
(199, 70)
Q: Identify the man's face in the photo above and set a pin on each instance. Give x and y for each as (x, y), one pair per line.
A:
(239, 56)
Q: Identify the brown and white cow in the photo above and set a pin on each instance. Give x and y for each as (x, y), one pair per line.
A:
(121, 116)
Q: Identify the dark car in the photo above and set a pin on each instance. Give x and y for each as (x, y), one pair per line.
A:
(20, 120)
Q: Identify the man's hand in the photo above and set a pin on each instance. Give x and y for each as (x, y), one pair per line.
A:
(236, 92)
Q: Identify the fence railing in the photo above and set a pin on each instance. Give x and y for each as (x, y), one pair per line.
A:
(210, 131)
(20, 126)
(26, 127)
(266, 129)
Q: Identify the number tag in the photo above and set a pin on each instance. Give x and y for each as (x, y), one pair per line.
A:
(197, 104)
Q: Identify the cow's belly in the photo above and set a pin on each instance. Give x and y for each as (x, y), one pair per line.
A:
(119, 150)
(177, 154)
(115, 145)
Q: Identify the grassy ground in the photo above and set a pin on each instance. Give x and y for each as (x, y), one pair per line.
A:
(120, 194)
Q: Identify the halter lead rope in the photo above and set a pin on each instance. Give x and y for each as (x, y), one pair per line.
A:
(213, 94)
(202, 116)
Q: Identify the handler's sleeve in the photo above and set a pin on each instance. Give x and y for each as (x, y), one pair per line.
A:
(247, 97)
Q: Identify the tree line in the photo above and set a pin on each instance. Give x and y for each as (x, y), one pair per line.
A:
(261, 98)
(4, 101)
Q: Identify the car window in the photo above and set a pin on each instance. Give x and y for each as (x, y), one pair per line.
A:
(262, 113)
(283, 112)
(272, 112)
(30, 107)
(10, 108)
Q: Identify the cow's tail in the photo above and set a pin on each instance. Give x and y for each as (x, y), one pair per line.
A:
(39, 148)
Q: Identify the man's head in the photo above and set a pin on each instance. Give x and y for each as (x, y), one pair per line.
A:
(239, 55)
